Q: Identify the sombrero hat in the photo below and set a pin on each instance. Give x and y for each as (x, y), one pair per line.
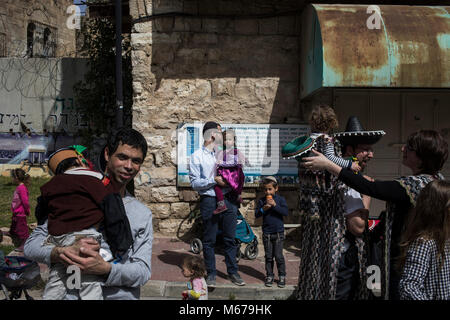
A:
(62, 154)
(355, 134)
(298, 148)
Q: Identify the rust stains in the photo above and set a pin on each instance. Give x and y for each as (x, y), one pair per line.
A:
(409, 50)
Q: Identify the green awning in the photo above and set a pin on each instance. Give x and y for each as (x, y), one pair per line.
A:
(411, 49)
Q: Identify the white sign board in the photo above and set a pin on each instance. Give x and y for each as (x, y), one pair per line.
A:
(261, 145)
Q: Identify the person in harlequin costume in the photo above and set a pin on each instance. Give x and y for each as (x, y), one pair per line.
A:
(425, 154)
(326, 211)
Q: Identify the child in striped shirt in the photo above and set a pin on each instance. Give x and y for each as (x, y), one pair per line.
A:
(323, 120)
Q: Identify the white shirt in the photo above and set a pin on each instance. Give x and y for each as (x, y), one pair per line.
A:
(202, 170)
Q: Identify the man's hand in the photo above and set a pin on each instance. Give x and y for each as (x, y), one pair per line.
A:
(91, 262)
(84, 254)
(356, 167)
(266, 207)
(320, 162)
(220, 182)
(58, 254)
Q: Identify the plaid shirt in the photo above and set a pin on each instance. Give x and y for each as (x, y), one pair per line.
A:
(422, 279)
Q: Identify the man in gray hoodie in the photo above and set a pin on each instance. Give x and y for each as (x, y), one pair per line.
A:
(124, 155)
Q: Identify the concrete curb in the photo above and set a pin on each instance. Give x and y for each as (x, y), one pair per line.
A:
(159, 288)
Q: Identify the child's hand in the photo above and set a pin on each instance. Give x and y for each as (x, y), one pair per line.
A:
(356, 167)
(266, 207)
(220, 182)
(271, 202)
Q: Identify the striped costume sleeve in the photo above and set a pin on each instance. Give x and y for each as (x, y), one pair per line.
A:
(329, 153)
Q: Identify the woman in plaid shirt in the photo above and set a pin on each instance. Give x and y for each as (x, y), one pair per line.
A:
(425, 247)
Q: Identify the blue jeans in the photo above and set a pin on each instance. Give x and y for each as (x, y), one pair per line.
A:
(227, 221)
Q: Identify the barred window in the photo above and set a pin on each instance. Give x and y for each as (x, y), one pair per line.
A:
(41, 40)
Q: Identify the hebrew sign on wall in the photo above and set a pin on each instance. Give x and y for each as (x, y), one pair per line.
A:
(37, 94)
(260, 144)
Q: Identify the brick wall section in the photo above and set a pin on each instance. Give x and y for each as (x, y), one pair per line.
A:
(188, 69)
(14, 18)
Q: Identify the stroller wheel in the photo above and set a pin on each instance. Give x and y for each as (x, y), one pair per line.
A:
(196, 245)
(251, 251)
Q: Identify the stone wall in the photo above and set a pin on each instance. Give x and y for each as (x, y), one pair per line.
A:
(194, 65)
(16, 14)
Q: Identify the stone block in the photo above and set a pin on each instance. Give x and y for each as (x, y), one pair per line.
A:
(143, 178)
(160, 210)
(190, 7)
(204, 39)
(287, 25)
(143, 27)
(268, 26)
(248, 194)
(180, 209)
(156, 142)
(189, 195)
(163, 194)
(210, 25)
(162, 176)
(179, 24)
(246, 26)
(164, 24)
(159, 160)
(140, 39)
(193, 24)
(174, 226)
(222, 87)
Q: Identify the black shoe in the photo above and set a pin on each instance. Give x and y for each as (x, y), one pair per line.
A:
(282, 282)
(236, 279)
(210, 281)
(268, 282)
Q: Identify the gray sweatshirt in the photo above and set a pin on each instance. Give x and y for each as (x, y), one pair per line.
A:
(127, 275)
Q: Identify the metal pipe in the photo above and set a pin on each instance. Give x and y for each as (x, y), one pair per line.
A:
(119, 86)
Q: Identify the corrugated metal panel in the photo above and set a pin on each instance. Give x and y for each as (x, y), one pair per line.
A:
(410, 50)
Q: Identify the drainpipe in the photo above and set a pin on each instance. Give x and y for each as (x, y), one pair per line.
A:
(119, 91)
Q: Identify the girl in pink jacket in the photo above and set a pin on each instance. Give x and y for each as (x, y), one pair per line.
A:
(20, 208)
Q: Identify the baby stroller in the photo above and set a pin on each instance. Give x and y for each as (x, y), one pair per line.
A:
(17, 274)
(244, 234)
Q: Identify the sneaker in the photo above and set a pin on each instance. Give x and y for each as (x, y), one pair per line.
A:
(268, 282)
(282, 282)
(236, 279)
(220, 209)
(210, 281)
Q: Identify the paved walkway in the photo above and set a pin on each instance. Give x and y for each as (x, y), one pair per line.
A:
(168, 253)
(167, 282)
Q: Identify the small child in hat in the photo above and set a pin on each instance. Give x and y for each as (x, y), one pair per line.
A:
(323, 120)
(273, 207)
(78, 203)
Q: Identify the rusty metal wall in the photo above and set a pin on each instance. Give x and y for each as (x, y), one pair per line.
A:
(411, 48)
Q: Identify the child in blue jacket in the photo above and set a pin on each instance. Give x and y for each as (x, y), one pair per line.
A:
(273, 208)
